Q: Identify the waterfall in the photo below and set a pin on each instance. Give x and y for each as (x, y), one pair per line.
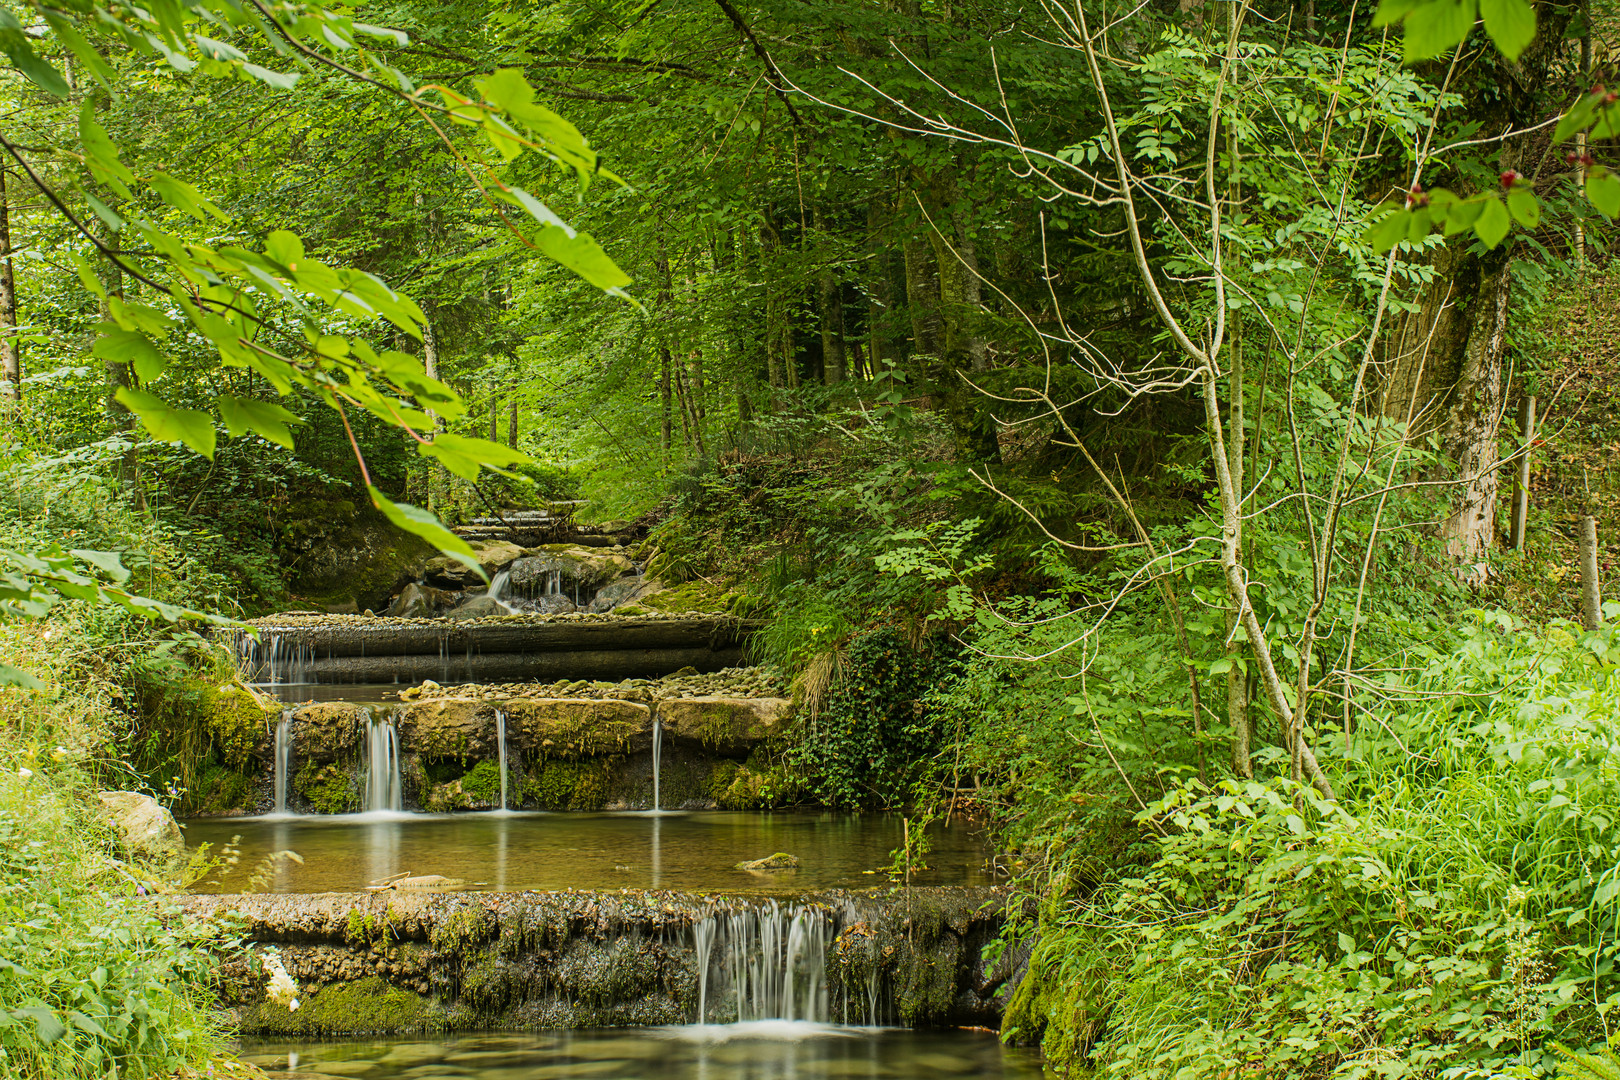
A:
(772, 963)
(382, 767)
(497, 589)
(283, 758)
(500, 738)
(658, 747)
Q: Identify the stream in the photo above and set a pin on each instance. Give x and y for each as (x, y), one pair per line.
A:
(760, 1051)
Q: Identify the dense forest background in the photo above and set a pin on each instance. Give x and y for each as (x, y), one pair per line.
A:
(1108, 415)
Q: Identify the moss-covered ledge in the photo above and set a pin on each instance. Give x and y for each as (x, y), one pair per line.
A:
(395, 962)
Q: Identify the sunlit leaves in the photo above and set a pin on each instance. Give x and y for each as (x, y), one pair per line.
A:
(14, 42)
(170, 423)
(465, 456)
(130, 347)
(1603, 189)
(1435, 27)
(1488, 215)
(100, 154)
(242, 415)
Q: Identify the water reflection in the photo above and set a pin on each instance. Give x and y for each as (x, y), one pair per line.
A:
(529, 850)
(768, 1051)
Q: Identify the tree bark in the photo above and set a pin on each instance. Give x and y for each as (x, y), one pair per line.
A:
(834, 364)
(10, 359)
(512, 424)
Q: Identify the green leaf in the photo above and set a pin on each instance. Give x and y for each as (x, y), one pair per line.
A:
(1388, 232)
(69, 35)
(1462, 216)
(1347, 943)
(1494, 223)
(105, 561)
(1510, 23)
(242, 415)
(130, 347)
(464, 456)
(1437, 26)
(15, 43)
(46, 1025)
(1525, 207)
(100, 153)
(1603, 189)
(422, 523)
(1393, 11)
(87, 1025)
(584, 256)
(1579, 116)
(183, 196)
(285, 248)
(104, 212)
(277, 79)
(15, 676)
(170, 423)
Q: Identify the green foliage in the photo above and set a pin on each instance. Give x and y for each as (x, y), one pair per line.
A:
(873, 732)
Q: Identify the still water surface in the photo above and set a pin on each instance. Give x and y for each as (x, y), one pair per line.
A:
(775, 1050)
(689, 852)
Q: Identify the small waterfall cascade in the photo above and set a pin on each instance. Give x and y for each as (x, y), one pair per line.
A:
(657, 754)
(765, 962)
(283, 758)
(383, 789)
(497, 589)
(273, 658)
(500, 739)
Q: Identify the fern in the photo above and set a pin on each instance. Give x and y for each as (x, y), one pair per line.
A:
(1593, 1065)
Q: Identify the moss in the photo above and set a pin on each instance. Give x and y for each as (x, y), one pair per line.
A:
(221, 790)
(569, 785)
(236, 723)
(483, 783)
(327, 789)
(462, 928)
(366, 1006)
(758, 785)
(576, 728)
(693, 596)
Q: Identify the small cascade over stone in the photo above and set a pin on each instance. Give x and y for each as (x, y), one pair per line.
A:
(657, 754)
(500, 739)
(383, 789)
(497, 589)
(763, 962)
(283, 761)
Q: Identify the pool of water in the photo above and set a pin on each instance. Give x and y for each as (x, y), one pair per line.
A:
(776, 1050)
(689, 852)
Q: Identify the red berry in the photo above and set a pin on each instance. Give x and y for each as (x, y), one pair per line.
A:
(1509, 178)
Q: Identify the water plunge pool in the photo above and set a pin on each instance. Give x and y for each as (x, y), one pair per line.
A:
(689, 852)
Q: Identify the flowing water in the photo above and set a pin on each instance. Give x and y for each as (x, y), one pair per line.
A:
(691, 852)
(283, 758)
(384, 792)
(657, 756)
(771, 964)
(767, 1051)
(500, 738)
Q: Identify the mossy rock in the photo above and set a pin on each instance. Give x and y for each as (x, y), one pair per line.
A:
(569, 785)
(338, 555)
(361, 1007)
(327, 789)
(492, 555)
(238, 726)
(328, 731)
(449, 727)
(724, 725)
(691, 596)
(221, 790)
(483, 783)
(734, 786)
(577, 727)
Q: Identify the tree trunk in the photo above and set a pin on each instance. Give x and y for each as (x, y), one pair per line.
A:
(831, 309)
(512, 424)
(10, 360)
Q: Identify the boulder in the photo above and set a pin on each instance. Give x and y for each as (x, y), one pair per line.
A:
(147, 830)
(337, 554)
(327, 731)
(577, 568)
(449, 727)
(779, 861)
(418, 601)
(493, 555)
(577, 727)
(724, 725)
(626, 590)
(479, 607)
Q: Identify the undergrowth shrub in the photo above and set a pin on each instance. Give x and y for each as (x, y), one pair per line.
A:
(1453, 916)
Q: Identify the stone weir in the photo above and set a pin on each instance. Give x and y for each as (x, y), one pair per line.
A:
(402, 961)
(309, 648)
